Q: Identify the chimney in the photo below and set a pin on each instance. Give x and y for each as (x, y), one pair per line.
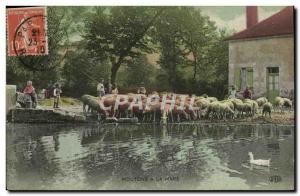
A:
(252, 17)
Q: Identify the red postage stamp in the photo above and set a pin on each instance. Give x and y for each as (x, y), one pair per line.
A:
(27, 31)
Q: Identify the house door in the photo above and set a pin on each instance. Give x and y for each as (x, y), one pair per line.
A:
(243, 77)
(272, 83)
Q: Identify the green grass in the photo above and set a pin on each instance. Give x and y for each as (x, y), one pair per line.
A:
(64, 101)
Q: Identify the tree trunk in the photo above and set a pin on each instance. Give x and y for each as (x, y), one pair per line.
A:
(114, 70)
(195, 66)
(195, 71)
(113, 75)
(116, 65)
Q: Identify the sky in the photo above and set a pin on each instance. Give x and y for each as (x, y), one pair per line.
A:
(234, 17)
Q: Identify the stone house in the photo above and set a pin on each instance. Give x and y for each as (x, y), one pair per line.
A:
(262, 56)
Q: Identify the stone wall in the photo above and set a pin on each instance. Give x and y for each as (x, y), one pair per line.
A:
(10, 97)
(22, 115)
(262, 53)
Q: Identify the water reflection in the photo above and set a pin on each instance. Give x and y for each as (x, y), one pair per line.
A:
(148, 156)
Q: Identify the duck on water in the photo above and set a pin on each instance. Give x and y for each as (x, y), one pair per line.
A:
(260, 162)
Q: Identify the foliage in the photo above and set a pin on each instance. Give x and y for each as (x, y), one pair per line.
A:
(81, 73)
(120, 33)
(194, 58)
(138, 73)
(17, 74)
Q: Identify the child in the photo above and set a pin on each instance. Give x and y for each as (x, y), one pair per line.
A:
(56, 94)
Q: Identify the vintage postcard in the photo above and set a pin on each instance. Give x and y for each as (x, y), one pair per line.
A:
(194, 98)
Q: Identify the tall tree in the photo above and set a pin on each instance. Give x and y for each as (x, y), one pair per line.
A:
(169, 38)
(189, 48)
(120, 33)
(140, 71)
(82, 72)
(198, 34)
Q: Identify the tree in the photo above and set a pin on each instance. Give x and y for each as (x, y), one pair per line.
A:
(81, 73)
(218, 58)
(193, 53)
(140, 71)
(198, 33)
(120, 33)
(184, 35)
(169, 38)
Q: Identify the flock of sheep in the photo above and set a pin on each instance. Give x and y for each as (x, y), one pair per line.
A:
(192, 108)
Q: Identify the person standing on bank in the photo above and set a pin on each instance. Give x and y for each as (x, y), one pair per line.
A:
(100, 88)
(56, 94)
(142, 89)
(232, 93)
(247, 93)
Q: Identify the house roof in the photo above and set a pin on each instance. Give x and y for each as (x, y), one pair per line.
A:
(281, 23)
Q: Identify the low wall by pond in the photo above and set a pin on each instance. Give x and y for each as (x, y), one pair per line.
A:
(22, 115)
(10, 97)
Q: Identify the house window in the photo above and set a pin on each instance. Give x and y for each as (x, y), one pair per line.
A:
(243, 78)
(272, 83)
(273, 78)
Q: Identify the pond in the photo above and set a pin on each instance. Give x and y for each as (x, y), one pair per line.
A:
(148, 157)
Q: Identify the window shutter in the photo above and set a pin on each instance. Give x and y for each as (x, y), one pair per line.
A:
(250, 77)
(237, 78)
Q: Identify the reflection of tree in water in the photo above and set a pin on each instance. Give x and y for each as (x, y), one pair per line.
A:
(56, 141)
(137, 155)
(180, 157)
(106, 153)
(92, 135)
(34, 164)
(194, 153)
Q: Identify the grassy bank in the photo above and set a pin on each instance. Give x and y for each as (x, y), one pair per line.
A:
(64, 101)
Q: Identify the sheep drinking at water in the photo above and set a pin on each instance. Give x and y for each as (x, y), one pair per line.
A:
(177, 107)
(90, 101)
